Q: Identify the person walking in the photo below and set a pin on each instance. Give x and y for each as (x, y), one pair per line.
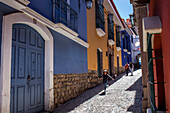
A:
(127, 68)
(105, 79)
(131, 68)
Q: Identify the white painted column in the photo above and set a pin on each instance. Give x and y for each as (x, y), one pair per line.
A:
(5, 76)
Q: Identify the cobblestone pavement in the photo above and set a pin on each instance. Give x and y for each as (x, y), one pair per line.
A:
(124, 95)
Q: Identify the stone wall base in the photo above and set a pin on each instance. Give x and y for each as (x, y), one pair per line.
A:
(69, 86)
(121, 70)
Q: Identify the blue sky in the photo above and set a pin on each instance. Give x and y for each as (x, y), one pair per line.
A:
(124, 7)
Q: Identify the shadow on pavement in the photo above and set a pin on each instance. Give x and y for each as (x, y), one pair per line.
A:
(137, 106)
(72, 104)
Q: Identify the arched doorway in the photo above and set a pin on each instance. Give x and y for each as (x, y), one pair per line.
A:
(6, 48)
(27, 69)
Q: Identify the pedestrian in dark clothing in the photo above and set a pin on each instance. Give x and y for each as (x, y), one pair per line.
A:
(105, 79)
(127, 68)
(131, 68)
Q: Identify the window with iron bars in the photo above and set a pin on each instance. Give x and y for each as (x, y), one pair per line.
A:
(117, 38)
(100, 22)
(65, 14)
(110, 30)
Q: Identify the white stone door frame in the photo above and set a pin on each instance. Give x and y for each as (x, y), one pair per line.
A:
(6, 50)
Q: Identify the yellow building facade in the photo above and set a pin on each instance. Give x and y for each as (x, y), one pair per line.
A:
(95, 41)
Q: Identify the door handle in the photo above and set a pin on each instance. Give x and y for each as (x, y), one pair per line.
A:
(29, 77)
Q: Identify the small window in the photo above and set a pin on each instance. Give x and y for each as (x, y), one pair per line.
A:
(99, 61)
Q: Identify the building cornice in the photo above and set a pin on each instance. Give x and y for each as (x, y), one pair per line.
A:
(24, 2)
(111, 8)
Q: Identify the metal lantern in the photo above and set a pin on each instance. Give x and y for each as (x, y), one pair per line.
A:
(110, 16)
(100, 2)
(89, 4)
(118, 28)
(132, 18)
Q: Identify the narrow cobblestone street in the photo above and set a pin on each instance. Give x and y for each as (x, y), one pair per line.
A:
(124, 95)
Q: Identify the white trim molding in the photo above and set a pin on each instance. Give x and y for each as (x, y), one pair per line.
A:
(100, 32)
(24, 2)
(99, 49)
(151, 25)
(60, 25)
(125, 50)
(111, 42)
(6, 49)
(128, 53)
(118, 48)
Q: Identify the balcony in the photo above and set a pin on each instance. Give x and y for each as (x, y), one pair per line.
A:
(124, 41)
(118, 45)
(110, 30)
(100, 22)
(66, 15)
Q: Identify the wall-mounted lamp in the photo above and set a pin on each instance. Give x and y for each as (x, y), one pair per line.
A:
(100, 2)
(118, 28)
(110, 16)
(132, 18)
(89, 4)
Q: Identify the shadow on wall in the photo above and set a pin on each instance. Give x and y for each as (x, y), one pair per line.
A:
(71, 105)
(137, 106)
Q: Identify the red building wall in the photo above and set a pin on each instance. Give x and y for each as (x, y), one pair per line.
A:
(161, 8)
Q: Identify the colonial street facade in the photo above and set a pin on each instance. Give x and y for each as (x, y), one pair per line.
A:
(52, 51)
(153, 23)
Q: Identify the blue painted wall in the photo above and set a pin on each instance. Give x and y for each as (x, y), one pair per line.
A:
(45, 8)
(69, 56)
(124, 54)
(80, 7)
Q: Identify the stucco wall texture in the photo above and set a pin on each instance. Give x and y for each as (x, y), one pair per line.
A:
(69, 56)
(161, 9)
(95, 41)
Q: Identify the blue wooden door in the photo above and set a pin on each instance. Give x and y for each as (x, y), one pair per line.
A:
(27, 70)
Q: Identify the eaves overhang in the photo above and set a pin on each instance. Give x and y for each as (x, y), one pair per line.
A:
(111, 8)
(151, 25)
